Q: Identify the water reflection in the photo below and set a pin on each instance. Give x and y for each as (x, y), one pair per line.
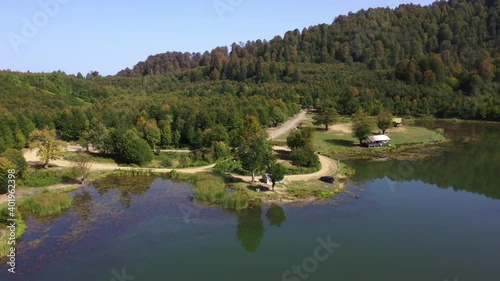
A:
(472, 165)
(275, 215)
(250, 226)
(126, 185)
(82, 204)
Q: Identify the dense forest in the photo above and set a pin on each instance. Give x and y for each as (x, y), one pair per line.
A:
(441, 60)
(446, 55)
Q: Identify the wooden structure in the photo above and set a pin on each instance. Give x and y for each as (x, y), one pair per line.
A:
(397, 122)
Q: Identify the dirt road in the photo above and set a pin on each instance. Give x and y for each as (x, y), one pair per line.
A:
(287, 126)
(328, 167)
(30, 156)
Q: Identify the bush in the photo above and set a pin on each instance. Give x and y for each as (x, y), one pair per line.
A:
(304, 157)
(228, 167)
(235, 201)
(43, 178)
(45, 204)
(17, 158)
(5, 216)
(5, 166)
(210, 191)
(184, 160)
(217, 151)
(130, 148)
(165, 160)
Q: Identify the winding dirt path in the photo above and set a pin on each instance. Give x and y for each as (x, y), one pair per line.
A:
(287, 126)
(30, 156)
(328, 165)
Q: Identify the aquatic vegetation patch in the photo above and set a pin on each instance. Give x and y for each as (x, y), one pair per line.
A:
(4, 232)
(46, 204)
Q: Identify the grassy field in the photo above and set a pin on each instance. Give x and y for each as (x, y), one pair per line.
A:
(339, 143)
(333, 142)
(93, 157)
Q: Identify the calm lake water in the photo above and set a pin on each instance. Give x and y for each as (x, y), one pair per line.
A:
(437, 219)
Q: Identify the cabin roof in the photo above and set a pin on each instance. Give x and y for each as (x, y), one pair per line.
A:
(378, 138)
(397, 120)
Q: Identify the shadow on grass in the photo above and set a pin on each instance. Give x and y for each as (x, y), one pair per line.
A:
(282, 154)
(345, 143)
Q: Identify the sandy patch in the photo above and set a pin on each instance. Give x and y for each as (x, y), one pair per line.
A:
(341, 128)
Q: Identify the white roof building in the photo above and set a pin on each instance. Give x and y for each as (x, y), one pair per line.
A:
(378, 138)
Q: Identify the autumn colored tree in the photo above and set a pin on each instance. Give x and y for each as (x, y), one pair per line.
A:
(47, 145)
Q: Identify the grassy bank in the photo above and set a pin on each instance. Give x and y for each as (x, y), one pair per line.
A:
(341, 144)
(40, 205)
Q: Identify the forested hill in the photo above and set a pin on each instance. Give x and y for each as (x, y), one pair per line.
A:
(448, 47)
(441, 60)
(463, 33)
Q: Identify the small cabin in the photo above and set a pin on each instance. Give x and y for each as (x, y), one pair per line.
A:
(377, 141)
(397, 122)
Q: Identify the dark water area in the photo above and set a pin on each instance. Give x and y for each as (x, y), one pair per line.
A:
(436, 219)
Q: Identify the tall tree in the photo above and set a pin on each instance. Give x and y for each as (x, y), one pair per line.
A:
(384, 121)
(326, 114)
(48, 146)
(255, 151)
(277, 172)
(299, 138)
(362, 125)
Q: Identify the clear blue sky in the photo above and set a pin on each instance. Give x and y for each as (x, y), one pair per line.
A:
(107, 36)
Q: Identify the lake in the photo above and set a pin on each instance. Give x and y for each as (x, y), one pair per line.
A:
(435, 219)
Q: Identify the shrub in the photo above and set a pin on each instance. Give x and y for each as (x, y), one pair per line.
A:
(130, 148)
(235, 201)
(165, 161)
(228, 167)
(210, 191)
(5, 166)
(17, 158)
(43, 178)
(5, 216)
(217, 151)
(184, 160)
(304, 157)
(45, 204)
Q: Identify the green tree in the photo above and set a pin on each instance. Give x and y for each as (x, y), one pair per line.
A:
(96, 135)
(304, 157)
(326, 114)
(130, 148)
(72, 123)
(255, 151)
(384, 121)
(152, 134)
(277, 172)
(17, 158)
(299, 138)
(47, 144)
(362, 125)
(166, 133)
(5, 166)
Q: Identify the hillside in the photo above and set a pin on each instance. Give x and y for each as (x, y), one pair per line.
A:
(446, 51)
(441, 60)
